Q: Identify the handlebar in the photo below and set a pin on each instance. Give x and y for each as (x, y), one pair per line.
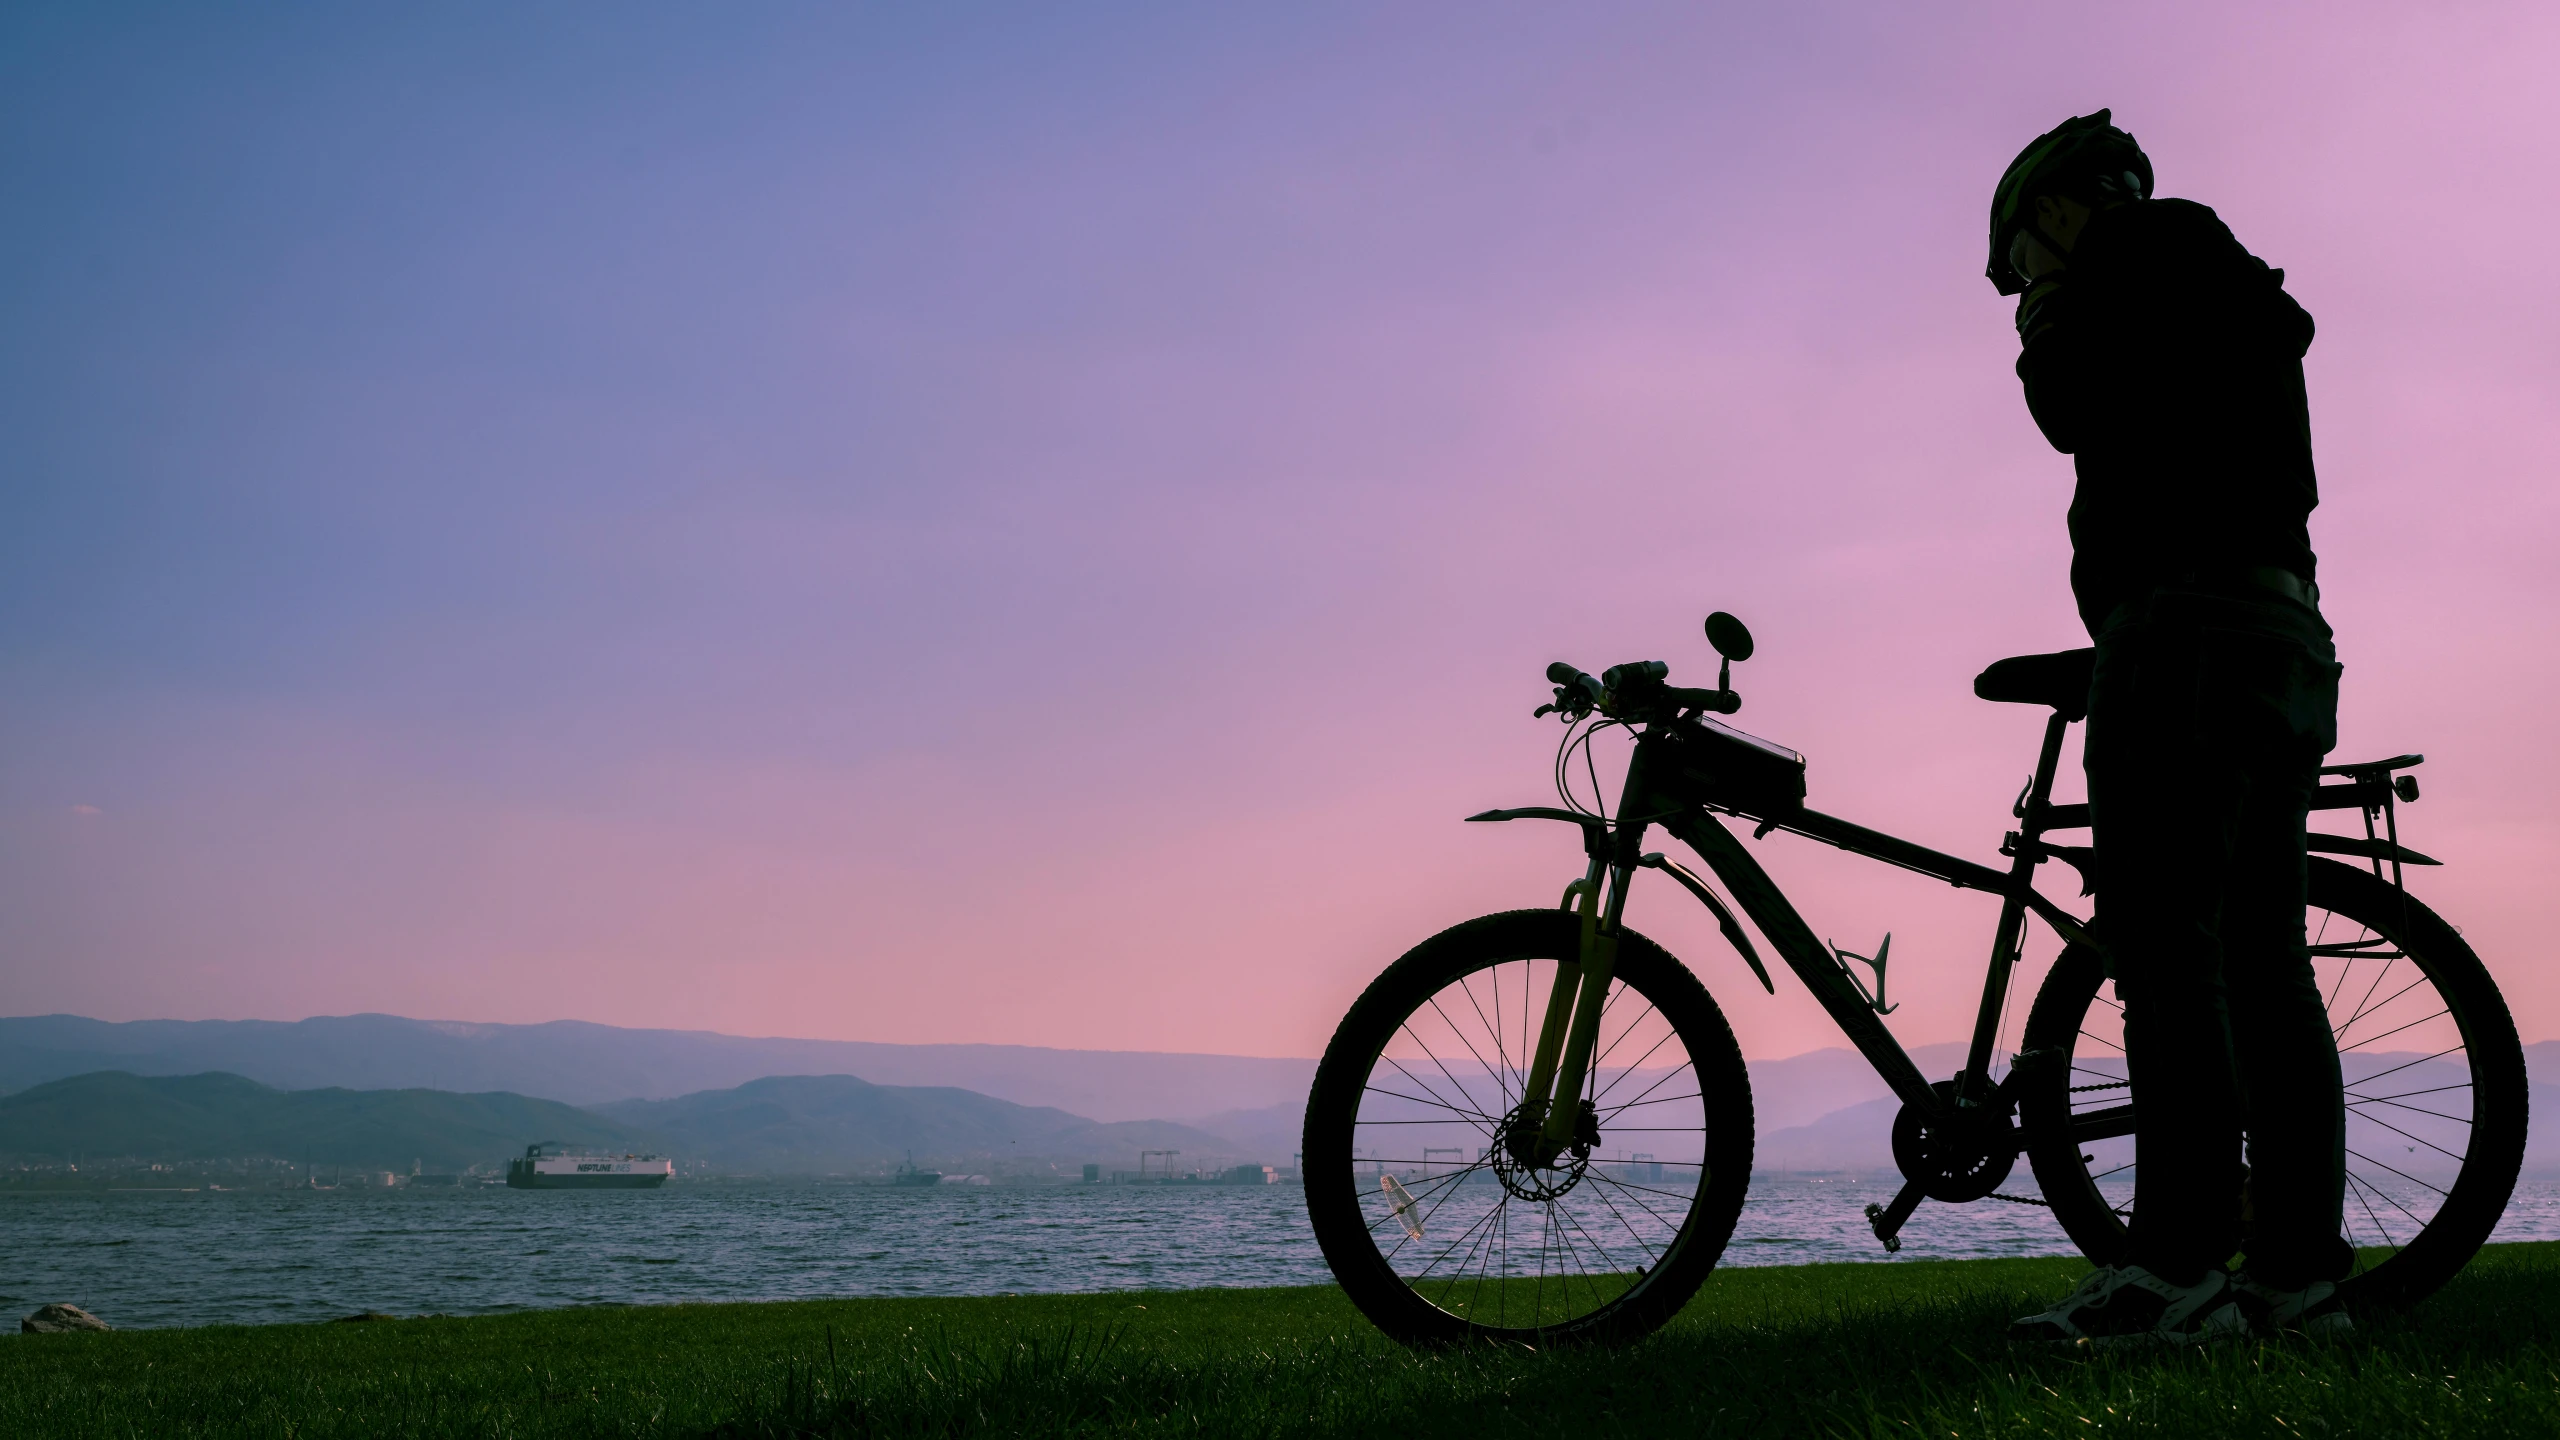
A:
(1723, 702)
(1634, 690)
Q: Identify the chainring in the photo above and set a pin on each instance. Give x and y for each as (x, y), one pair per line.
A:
(1961, 1155)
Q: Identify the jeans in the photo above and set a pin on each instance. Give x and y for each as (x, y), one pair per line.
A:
(2208, 718)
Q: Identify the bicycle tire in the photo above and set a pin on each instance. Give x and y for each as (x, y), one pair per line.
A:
(2403, 1270)
(1341, 1201)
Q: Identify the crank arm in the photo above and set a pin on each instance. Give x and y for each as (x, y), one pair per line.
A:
(1886, 1220)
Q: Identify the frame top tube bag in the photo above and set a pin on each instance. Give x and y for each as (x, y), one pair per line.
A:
(1702, 762)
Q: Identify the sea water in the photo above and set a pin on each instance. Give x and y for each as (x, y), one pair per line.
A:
(254, 1257)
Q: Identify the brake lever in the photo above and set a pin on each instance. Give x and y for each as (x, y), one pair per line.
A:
(1571, 703)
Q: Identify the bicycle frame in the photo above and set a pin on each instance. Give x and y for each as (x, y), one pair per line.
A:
(1562, 1057)
(1561, 1062)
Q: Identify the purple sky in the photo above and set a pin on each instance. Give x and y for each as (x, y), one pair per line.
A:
(1033, 527)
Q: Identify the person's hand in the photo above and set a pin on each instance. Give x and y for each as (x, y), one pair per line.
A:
(2039, 307)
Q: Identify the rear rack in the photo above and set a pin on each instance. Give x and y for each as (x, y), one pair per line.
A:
(2373, 788)
(2370, 786)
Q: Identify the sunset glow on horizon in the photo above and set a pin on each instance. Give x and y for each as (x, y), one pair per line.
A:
(1035, 526)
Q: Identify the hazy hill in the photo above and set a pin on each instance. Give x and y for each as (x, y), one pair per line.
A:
(584, 1064)
(216, 1116)
(798, 1124)
(819, 1123)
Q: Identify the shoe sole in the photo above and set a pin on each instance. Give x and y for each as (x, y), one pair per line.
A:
(2213, 1332)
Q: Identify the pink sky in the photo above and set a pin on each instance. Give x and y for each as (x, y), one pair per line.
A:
(1034, 529)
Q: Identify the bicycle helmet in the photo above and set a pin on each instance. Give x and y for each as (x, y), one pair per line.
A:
(2085, 157)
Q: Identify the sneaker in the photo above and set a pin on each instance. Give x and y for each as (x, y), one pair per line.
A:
(2312, 1310)
(2127, 1305)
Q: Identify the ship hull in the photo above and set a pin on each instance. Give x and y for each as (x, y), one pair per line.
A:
(519, 1180)
(571, 1172)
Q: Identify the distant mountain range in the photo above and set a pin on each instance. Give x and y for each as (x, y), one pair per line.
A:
(584, 1064)
(216, 1116)
(792, 1124)
(798, 1124)
(387, 1086)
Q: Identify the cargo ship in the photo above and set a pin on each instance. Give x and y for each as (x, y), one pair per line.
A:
(550, 1165)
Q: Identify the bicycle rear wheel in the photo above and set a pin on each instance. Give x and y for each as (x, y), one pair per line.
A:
(2436, 1090)
(1437, 1231)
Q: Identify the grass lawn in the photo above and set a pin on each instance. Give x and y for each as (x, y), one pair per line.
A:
(1905, 1349)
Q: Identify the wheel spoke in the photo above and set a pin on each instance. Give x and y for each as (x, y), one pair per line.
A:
(1651, 1256)
(1470, 1116)
(1501, 1085)
(2405, 1094)
(2403, 1174)
(2342, 1030)
(2354, 1101)
(1667, 1038)
(1436, 1061)
(1632, 1200)
(2361, 1199)
(1612, 1047)
(2387, 1034)
(2405, 1135)
(1649, 1089)
(2364, 1004)
(1639, 1104)
(1492, 1027)
(2421, 1060)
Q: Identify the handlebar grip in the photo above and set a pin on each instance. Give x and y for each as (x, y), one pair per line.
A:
(1566, 678)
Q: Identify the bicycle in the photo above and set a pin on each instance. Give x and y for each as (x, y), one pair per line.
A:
(1529, 1038)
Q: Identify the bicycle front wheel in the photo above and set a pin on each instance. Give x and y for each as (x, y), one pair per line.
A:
(2436, 1090)
(1438, 1230)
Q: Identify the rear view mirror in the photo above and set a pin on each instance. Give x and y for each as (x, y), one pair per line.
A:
(1731, 637)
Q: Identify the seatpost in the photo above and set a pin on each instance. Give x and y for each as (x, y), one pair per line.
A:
(1973, 1087)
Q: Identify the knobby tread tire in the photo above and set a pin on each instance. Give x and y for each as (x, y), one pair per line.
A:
(1334, 1103)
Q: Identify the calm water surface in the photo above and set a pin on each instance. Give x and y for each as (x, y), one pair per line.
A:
(251, 1257)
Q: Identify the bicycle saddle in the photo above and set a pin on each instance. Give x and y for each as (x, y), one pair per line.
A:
(2060, 680)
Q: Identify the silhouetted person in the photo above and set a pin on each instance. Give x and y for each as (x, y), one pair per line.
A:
(2167, 361)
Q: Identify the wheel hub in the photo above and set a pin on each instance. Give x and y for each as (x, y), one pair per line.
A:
(1533, 1170)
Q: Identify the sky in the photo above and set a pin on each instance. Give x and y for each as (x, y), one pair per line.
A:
(1033, 524)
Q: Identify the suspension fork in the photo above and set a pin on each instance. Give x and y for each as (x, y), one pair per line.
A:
(1537, 1094)
(1587, 993)
(1974, 1087)
(1559, 1070)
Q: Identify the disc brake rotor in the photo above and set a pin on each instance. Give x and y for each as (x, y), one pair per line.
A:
(1521, 1160)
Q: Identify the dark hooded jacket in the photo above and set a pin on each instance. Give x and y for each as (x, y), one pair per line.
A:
(2168, 361)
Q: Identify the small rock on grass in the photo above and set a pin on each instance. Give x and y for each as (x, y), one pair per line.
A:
(55, 1319)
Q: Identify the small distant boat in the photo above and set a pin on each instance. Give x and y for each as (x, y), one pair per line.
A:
(908, 1174)
(550, 1165)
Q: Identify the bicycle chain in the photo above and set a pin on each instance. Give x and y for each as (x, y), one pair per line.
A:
(2047, 1204)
